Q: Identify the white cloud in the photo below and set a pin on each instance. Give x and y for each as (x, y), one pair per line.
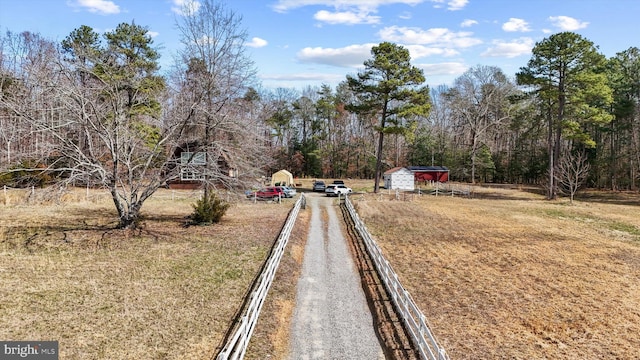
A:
(515, 24)
(346, 17)
(420, 51)
(367, 5)
(457, 4)
(468, 23)
(257, 42)
(355, 55)
(446, 68)
(509, 49)
(435, 36)
(405, 15)
(104, 7)
(345, 11)
(153, 34)
(452, 5)
(185, 6)
(566, 23)
(356, 11)
(349, 56)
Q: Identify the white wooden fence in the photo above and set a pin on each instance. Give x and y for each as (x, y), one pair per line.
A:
(236, 346)
(414, 320)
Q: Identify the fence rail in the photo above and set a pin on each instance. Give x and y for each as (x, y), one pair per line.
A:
(413, 319)
(236, 346)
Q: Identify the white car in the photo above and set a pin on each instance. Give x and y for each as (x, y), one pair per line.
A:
(288, 191)
(337, 189)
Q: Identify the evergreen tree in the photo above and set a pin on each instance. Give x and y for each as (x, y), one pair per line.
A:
(390, 88)
(566, 72)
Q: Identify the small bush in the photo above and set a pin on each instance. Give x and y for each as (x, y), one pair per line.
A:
(26, 174)
(209, 210)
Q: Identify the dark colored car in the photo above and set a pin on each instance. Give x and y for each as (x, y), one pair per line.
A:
(318, 185)
(270, 192)
(338, 182)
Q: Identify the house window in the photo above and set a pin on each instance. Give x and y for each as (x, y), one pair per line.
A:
(190, 174)
(190, 162)
(199, 158)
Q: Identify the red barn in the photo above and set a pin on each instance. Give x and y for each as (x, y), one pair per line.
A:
(430, 173)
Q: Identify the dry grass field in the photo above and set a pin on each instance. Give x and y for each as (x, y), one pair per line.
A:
(505, 274)
(164, 292)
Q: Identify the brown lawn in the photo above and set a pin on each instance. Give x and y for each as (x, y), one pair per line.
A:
(506, 274)
(165, 292)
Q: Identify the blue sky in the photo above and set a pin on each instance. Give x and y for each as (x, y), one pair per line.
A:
(295, 43)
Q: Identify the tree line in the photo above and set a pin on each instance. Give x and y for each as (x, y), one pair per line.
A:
(570, 114)
(95, 110)
(568, 105)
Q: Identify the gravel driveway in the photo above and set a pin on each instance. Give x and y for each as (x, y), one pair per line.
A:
(331, 319)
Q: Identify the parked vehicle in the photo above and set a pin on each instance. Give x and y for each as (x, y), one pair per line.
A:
(270, 192)
(288, 191)
(338, 182)
(337, 189)
(319, 185)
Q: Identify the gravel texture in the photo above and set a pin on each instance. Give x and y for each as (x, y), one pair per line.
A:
(331, 318)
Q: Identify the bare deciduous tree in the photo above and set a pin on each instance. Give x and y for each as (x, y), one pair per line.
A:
(211, 91)
(572, 171)
(479, 102)
(27, 79)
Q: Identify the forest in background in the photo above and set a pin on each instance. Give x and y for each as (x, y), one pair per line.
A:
(95, 109)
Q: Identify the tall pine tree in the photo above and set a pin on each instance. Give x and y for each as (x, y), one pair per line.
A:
(566, 72)
(389, 88)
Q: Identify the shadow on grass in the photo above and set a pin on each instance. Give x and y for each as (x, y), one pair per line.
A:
(94, 228)
(523, 192)
(631, 198)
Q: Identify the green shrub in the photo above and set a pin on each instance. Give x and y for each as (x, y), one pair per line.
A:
(209, 210)
(26, 174)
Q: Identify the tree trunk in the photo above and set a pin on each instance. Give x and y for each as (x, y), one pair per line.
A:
(383, 121)
(550, 150)
(376, 186)
(474, 142)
